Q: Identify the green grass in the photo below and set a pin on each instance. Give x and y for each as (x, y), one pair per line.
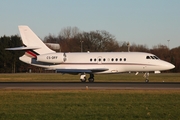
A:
(54, 77)
(89, 104)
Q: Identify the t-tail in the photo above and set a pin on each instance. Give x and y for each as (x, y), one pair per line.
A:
(32, 45)
(31, 41)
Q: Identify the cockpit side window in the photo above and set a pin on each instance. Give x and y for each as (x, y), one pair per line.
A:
(156, 57)
(152, 57)
(147, 57)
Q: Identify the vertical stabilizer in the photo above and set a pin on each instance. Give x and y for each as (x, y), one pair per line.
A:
(30, 39)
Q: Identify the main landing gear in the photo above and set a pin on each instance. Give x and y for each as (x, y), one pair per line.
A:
(83, 77)
(146, 75)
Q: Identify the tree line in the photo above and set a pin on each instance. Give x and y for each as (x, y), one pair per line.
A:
(72, 40)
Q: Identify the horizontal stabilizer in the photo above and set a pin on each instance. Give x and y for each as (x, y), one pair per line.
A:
(80, 70)
(23, 48)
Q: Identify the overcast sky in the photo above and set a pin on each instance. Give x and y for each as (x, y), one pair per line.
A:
(144, 22)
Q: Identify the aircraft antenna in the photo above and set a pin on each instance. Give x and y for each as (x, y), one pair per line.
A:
(128, 44)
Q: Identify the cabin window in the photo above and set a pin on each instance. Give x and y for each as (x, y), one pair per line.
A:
(91, 59)
(112, 59)
(116, 59)
(99, 59)
(124, 59)
(104, 59)
(94, 59)
(120, 59)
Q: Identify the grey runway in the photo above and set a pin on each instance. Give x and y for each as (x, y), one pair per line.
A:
(84, 86)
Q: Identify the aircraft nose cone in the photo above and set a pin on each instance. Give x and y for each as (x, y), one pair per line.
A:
(170, 66)
(166, 65)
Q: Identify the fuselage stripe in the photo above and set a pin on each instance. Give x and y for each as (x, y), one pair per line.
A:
(106, 64)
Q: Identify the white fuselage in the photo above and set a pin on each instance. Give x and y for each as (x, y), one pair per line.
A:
(114, 62)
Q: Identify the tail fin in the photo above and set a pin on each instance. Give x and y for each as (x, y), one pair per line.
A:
(30, 39)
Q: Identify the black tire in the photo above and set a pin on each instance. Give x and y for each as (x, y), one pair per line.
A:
(91, 79)
(146, 80)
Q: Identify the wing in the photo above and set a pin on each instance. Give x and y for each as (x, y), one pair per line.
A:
(23, 48)
(76, 71)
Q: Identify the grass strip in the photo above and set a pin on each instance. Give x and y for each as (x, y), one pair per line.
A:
(89, 104)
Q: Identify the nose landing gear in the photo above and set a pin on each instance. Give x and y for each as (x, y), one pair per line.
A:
(146, 75)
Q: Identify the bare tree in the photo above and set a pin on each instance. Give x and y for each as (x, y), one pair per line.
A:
(98, 41)
(69, 32)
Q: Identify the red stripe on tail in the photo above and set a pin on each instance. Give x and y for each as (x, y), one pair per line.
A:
(31, 54)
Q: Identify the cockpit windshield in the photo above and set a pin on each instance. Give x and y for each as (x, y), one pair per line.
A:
(152, 57)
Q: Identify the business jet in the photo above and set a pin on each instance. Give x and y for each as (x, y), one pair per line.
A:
(38, 54)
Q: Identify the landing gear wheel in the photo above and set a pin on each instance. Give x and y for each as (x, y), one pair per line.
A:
(146, 80)
(91, 79)
(146, 75)
(83, 77)
(83, 80)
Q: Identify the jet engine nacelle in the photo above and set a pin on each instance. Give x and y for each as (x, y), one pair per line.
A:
(51, 58)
